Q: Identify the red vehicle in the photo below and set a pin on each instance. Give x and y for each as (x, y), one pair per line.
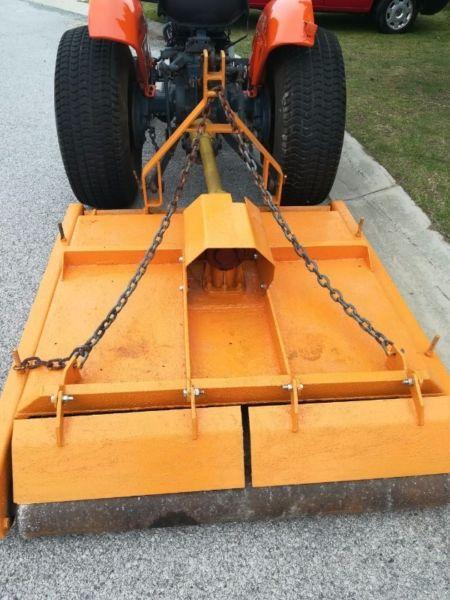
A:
(390, 16)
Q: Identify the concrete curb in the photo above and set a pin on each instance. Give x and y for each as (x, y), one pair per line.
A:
(359, 174)
(416, 256)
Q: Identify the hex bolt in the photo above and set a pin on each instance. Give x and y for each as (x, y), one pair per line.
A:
(66, 398)
(255, 256)
(197, 392)
(181, 259)
(287, 386)
(300, 386)
(263, 286)
(408, 381)
(181, 288)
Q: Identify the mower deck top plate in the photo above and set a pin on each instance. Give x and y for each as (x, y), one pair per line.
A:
(249, 335)
(210, 384)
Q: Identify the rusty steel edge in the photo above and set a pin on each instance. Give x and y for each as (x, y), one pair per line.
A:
(248, 504)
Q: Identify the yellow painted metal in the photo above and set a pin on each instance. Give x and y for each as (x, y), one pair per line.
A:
(214, 221)
(129, 454)
(16, 381)
(254, 346)
(269, 164)
(210, 170)
(349, 441)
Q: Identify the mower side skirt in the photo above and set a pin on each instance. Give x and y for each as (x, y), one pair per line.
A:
(16, 380)
(348, 441)
(127, 454)
(248, 504)
(282, 23)
(153, 452)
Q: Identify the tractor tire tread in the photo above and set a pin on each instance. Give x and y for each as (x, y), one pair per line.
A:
(92, 118)
(309, 117)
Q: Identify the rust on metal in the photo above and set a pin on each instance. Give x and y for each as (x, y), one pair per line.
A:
(223, 506)
(360, 227)
(62, 234)
(16, 359)
(431, 348)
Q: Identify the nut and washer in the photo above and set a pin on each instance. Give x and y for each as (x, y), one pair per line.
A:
(65, 398)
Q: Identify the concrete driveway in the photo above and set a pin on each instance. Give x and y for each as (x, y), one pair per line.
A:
(390, 556)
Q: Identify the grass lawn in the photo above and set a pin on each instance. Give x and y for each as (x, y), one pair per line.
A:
(398, 101)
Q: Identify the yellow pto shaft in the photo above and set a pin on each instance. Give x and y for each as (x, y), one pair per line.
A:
(210, 170)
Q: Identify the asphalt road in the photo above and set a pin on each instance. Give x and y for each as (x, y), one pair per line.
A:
(389, 556)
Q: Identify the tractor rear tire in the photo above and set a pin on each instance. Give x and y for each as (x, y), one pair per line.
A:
(307, 87)
(94, 83)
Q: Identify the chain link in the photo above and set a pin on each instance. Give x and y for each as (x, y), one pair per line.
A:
(152, 138)
(82, 352)
(312, 266)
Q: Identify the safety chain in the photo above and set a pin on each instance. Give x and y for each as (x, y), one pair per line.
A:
(312, 266)
(82, 352)
(152, 138)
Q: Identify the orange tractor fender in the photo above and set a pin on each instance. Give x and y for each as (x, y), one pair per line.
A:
(124, 21)
(282, 23)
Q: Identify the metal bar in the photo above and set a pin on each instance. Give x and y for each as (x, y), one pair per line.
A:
(214, 128)
(75, 257)
(168, 144)
(86, 255)
(248, 504)
(118, 396)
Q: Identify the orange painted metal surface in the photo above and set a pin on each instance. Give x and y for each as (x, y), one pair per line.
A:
(282, 23)
(179, 345)
(123, 21)
(15, 382)
(130, 454)
(214, 222)
(349, 441)
(157, 408)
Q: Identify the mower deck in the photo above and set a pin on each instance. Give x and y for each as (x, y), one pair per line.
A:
(237, 385)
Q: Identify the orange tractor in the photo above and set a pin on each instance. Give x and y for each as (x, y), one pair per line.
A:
(229, 360)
